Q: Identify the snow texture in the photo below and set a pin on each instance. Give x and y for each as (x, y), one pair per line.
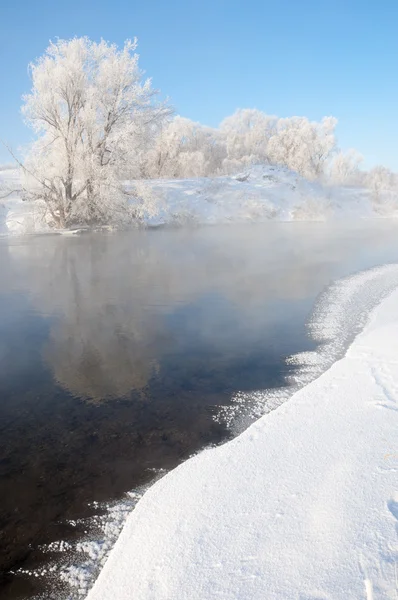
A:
(17, 217)
(261, 193)
(74, 565)
(302, 505)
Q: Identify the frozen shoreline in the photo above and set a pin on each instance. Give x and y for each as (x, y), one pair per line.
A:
(266, 193)
(303, 504)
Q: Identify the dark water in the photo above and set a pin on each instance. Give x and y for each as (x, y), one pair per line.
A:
(116, 352)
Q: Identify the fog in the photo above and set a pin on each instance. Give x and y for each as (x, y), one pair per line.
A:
(121, 353)
(122, 308)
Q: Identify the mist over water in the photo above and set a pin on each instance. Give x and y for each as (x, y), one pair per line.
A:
(118, 351)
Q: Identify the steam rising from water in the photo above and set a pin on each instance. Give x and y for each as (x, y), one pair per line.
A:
(192, 307)
(340, 313)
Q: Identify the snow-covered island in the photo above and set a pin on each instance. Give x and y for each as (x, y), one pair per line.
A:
(302, 505)
(108, 152)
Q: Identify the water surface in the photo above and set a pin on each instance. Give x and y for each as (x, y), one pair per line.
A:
(118, 350)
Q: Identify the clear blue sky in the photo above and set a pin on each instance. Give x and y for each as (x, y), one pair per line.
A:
(286, 57)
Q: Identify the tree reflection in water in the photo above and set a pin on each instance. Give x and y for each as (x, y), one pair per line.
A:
(117, 350)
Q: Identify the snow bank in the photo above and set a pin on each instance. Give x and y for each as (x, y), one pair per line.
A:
(303, 505)
(262, 193)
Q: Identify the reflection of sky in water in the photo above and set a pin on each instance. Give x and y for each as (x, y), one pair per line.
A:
(167, 325)
(117, 310)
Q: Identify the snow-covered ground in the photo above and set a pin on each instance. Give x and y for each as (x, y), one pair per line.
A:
(259, 194)
(303, 505)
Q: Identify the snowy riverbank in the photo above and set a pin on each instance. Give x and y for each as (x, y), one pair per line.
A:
(303, 505)
(261, 193)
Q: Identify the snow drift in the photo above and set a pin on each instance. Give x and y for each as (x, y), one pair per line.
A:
(261, 193)
(302, 505)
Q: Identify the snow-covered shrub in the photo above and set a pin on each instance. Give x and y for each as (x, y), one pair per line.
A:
(344, 168)
(302, 145)
(383, 184)
(312, 208)
(145, 202)
(184, 149)
(247, 133)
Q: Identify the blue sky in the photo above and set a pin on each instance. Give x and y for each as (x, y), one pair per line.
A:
(286, 57)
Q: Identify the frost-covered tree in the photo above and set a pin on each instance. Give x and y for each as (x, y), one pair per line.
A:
(92, 113)
(383, 184)
(184, 148)
(302, 145)
(247, 133)
(344, 168)
(381, 180)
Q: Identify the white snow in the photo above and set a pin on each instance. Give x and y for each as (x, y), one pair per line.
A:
(16, 216)
(303, 505)
(259, 194)
(267, 193)
(339, 314)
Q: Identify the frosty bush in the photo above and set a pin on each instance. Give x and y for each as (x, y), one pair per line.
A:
(383, 184)
(184, 148)
(344, 168)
